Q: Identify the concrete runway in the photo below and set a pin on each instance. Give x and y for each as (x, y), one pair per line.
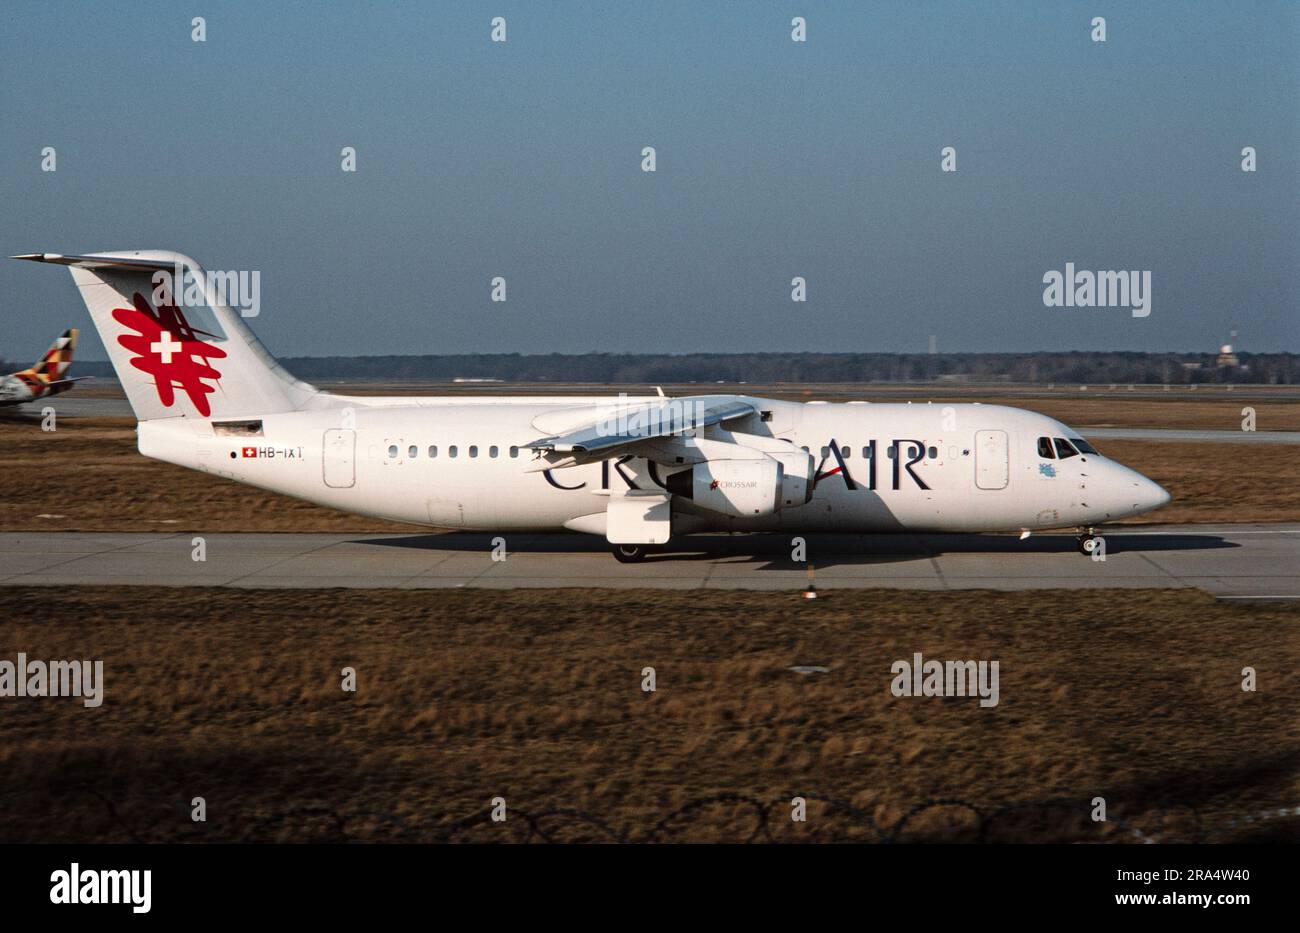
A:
(72, 406)
(1230, 561)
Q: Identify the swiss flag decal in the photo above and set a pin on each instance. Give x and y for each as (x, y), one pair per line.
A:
(249, 452)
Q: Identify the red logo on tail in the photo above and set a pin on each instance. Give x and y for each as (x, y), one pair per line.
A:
(166, 347)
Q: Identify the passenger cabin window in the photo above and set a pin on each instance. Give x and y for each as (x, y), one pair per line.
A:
(392, 451)
(412, 452)
(452, 451)
(1063, 449)
(934, 453)
(1045, 448)
(492, 451)
(514, 451)
(473, 450)
(433, 450)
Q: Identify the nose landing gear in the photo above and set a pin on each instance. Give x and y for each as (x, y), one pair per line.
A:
(1088, 541)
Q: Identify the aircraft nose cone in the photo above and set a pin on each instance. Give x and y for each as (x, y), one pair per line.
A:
(1127, 492)
(1151, 495)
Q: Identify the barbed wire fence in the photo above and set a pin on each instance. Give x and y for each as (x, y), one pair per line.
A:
(755, 821)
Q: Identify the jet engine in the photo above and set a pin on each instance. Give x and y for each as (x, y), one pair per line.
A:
(739, 488)
(798, 471)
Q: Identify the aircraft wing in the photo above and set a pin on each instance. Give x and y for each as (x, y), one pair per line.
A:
(624, 430)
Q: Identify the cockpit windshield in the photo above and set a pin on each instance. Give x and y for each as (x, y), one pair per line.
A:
(1061, 448)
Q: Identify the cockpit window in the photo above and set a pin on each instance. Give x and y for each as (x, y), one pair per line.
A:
(1045, 448)
(1083, 446)
(1063, 449)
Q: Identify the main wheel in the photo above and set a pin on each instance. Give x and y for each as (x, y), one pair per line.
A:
(629, 553)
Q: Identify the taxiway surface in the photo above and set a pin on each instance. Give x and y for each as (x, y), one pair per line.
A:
(1230, 561)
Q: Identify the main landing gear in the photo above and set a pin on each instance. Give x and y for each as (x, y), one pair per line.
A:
(629, 553)
(1088, 541)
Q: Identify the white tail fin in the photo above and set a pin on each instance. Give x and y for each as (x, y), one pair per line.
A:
(177, 357)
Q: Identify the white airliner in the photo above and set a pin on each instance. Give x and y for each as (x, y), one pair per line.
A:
(636, 470)
(45, 377)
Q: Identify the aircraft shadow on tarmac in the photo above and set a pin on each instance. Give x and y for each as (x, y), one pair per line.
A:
(822, 550)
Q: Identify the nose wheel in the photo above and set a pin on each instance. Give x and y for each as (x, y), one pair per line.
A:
(1088, 542)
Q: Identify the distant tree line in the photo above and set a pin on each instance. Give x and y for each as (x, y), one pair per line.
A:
(1095, 367)
(1081, 367)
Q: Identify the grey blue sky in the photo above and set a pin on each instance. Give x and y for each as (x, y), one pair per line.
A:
(775, 159)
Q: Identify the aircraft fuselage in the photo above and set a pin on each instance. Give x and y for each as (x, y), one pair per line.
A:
(463, 464)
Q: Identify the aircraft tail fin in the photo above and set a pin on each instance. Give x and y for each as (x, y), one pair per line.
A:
(54, 363)
(176, 347)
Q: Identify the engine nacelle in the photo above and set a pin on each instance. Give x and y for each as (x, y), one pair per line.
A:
(798, 470)
(739, 488)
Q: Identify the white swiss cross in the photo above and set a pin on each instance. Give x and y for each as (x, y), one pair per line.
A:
(165, 347)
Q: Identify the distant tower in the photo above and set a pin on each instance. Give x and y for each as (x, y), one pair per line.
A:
(1227, 358)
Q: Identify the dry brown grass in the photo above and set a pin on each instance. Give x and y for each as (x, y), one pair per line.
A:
(1108, 411)
(464, 695)
(1217, 482)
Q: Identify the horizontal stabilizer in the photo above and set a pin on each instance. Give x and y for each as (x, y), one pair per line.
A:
(100, 262)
